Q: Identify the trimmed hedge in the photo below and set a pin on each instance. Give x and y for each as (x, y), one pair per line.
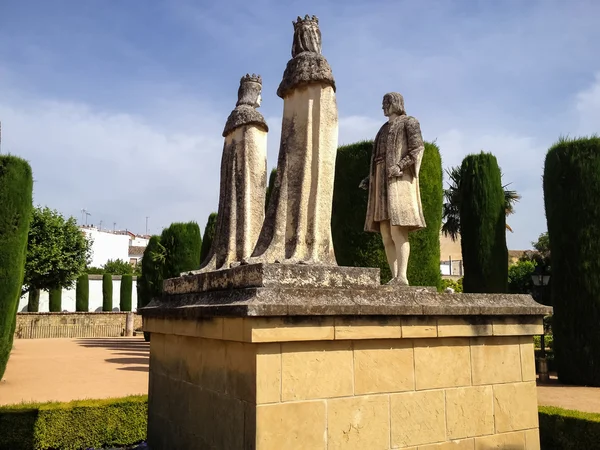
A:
(424, 260)
(75, 425)
(571, 190)
(82, 294)
(107, 292)
(33, 300)
(126, 293)
(16, 190)
(209, 235)
(55, 300)
(483, 225)
(563, 429)
(182, 243)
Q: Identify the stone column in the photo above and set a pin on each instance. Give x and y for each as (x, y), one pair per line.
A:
(296, 357)
(129, 324)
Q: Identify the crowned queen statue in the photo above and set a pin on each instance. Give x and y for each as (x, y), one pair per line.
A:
(297, 227)
(243, 180)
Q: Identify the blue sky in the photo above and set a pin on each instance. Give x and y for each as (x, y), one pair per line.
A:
(119, 105)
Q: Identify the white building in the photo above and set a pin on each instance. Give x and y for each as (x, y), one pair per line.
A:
(113, 245)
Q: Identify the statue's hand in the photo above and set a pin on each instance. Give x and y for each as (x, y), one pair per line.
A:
(364, 184)
(394, 172)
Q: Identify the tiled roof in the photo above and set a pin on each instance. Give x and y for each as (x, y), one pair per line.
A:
(136, 250)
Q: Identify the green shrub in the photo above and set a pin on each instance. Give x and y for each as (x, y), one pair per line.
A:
(209, 235)
(562, 429)
(16, 186)
(82, 293)
(33, 300)
(456, 285)
(75, 425)
(483, 225)
(354, 246)
(126, 292)
(55, 300)
(107, 292)
(424, 260)
(117, 267)
(571, 190)
(182, 244)
(519, 277)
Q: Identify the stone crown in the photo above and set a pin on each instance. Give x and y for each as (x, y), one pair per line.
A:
(314, 20)
(251, 78)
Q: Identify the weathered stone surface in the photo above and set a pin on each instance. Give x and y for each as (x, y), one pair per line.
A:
(306, 68)
(442, 363)
(419, 327)
(496, 360)
(532, 439)
(383, 366)
(461, 444)
(457, 327)
(527, 359)
(469, 412)
(417, 418)
(366, 328)
(291, 426)
(268, 373)
(505, 441)
(244, 115)
(515, 406)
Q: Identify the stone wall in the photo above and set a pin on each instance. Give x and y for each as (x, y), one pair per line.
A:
(67, 324)
(419, 383)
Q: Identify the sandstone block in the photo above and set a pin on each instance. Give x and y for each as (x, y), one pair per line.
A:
(515, 406)
(527, 358)
(358, 423)
(191, 358)
(457, 327)
(496, 360)
(213, 375)
(469, 412)
(184, 327)
(268, 373)
(276, 329)
(462, 444)
(233, 329)
(505, 441)
(210, 328)
(417, 418)
(240, 362)
(419, 327)
(532, 439)
(311, 370)
(518, 326)
(442, 363)
(383, 366)
(362, 328)
(291, 426)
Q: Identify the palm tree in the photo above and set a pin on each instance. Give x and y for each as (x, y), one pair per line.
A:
(450, 212)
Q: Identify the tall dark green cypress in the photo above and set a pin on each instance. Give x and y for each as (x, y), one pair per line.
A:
(354, 246)
(209, 234)
(16, 188)
(424, 261)
(125, 293)
(55, 300)
(33, 301)
(82, 293)
(182, 244)
(149, 283)
(483, 225)
(107, 292)
(571, 192)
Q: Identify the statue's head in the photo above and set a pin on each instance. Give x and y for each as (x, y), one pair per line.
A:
(249, 91)
(307, 35)
(393, 103)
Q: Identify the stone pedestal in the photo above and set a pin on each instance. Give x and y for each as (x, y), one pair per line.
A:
(304, 357)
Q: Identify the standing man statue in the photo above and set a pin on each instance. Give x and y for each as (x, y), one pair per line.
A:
(394, 207)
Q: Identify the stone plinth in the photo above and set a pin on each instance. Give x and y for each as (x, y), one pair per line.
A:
(348, 364)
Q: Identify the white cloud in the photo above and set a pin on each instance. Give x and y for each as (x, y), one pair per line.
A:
(588, 108)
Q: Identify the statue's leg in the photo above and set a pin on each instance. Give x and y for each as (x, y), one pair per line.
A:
(400, 238)
(390, 247)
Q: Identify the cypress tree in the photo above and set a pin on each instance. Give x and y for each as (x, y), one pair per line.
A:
(33, 301)
(82, 293)
(182, 244)
(209, 234)
(571, 192)
(149, 284)
(16, 187)
(424, 261)
(483, 225)
(353, 246)
(272, 177)
(55, 300)
(107, 292)
(125, 292)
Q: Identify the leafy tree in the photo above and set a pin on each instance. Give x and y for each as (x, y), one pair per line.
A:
(181, 244)
(482, 208)
(82, 293)
(16, 188)
(55, 300)
(107, 292)
(519, 277)
(456, 285)
(57, 251)
(451, 209)
(33, 302)
(571, 192)
(117, 267)
(126, 293)
(209, 234)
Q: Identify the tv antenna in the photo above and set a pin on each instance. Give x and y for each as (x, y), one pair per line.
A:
(85, 213)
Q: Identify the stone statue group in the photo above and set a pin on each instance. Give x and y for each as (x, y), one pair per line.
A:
(296, 227)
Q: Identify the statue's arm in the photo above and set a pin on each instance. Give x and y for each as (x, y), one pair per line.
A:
(415, 143)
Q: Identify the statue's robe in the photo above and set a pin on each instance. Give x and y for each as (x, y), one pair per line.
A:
(297, 227)
(242, 192)
(397, 199)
